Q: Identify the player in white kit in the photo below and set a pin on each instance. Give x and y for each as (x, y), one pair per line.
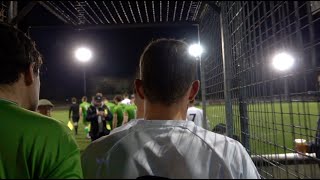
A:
(196, 115)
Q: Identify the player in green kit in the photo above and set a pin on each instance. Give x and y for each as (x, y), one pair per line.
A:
(118, 112)
(32, 146)
(83, 111)
(111, 106)
(130, 111)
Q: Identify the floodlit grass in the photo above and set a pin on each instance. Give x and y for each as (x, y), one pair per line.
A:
(272, 126)
(81, 139)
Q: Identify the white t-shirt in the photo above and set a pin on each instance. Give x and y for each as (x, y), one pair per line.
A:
(196, 115)
(126, 101)
(172, 149)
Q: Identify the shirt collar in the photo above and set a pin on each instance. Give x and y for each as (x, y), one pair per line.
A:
(8, 101)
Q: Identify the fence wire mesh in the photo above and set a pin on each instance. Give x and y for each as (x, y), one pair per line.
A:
(4, 5)
(270, 108)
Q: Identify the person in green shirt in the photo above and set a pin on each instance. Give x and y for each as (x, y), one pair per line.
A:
(32, 146)
(111, 106)
(130, 111)
(118, 112)
(83, 112)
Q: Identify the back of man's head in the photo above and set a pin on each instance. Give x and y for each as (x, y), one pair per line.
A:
(84, 99)
(74, 100)
(17, 53)
(166, 70)
(118, 98)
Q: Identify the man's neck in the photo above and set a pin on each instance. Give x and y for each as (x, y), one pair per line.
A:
(165, 112)
(9, 95)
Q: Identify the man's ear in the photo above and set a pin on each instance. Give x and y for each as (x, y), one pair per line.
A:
(194, 90)
(139, 88)
(29, 75)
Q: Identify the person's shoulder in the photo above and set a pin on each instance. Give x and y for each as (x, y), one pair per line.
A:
(212, 138)
(44, 123)
(91, 107)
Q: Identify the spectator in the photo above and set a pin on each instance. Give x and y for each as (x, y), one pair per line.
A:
(98, 114)
(165, 144)
(314, 146)
(32, 146)
(74, 114)
(45, 107)
(222, 129)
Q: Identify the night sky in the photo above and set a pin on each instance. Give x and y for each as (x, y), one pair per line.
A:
(116, 52)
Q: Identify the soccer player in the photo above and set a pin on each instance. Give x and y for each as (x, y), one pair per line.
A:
(83, 114)
(45, 107)
(164, 144)
(32, 146)
(196, 115)
(74, 114)
(118, 112)
(126, 100)
(130, 110)
(109, 104)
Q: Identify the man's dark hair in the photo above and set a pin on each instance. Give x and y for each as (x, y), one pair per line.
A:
(220, 128)
(118, 98)
(73, 99)
(17, 52)
(166, 70)
(84, 98)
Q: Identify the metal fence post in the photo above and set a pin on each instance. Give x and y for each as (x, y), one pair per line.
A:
(244, 120)
(227, 78)
(203, 87)
(13, 10)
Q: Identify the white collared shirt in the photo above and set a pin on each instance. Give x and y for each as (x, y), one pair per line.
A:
(172, 149)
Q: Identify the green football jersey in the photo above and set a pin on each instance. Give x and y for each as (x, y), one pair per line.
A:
(131, 110)
(84, 107)
(35, 146)
(110, 106)
(119, 109)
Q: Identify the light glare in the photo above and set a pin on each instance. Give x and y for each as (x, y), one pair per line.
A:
(195, 50)
(283, 61)
(83, 54)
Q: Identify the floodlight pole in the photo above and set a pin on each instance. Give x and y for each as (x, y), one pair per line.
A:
(84, 82)
(203, 86)
(286, 89)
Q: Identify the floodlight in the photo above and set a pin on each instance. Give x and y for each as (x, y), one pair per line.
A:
(195, 50)
(83, 54)
(283, 61)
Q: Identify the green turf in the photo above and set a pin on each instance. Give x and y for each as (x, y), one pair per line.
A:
(81, 136)
(273, 126)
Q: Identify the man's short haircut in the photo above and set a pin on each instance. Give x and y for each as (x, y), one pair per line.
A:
(74, 99)
(118, 98)
(99, 94)
(17, 52)
(84, 98)
(166, 70)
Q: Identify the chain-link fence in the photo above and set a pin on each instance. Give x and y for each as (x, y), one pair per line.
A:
(263, 101)
(4, 5)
